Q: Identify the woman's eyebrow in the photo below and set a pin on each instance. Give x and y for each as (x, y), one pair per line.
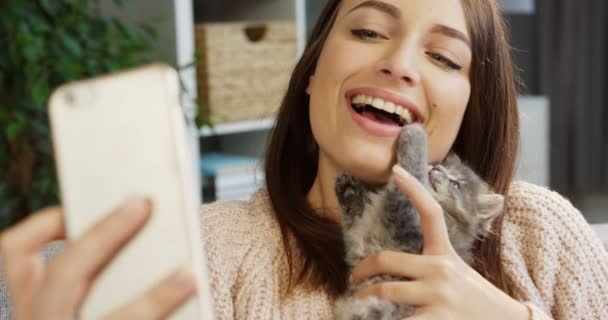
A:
(381, 6)
(451, 32)
(394, 12)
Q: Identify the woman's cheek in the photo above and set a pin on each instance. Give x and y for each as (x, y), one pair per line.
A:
(440, 143)
(447, 113)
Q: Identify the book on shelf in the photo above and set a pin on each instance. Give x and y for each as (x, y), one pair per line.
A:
(230, 177)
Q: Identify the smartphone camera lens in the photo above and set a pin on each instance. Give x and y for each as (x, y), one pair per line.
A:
(70, 98)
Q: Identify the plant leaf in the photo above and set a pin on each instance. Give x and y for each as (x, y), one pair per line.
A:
(41, 128)
(110, 65)
(13, 130)
(51, 6)
(4, 113)
(44, 43)
(21, 117)
(72, 45)
(38, 24)
(40, 92)
(149, 30)
(123, 3)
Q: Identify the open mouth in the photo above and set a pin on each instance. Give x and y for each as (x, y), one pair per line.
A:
(381, 111)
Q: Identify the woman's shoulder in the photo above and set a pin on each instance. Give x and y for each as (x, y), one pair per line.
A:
(240, 221)
(235, 233)
(538, 212)
(524, 198)
(552, 255)
(531, 206)
(242, 240)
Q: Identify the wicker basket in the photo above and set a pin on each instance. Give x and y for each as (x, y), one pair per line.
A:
(244, 68)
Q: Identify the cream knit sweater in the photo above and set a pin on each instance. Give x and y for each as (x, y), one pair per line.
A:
(558, 264)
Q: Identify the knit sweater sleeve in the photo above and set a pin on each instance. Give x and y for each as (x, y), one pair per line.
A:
(224, 252)
(557, 263)
(241, 245)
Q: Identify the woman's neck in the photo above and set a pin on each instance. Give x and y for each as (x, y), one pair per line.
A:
(322, 195)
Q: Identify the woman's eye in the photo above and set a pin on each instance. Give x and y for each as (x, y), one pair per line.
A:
(366, 34)
(444, 61)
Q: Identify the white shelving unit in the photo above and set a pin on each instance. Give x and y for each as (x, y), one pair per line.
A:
(176, 45)
(175, 20)
(247, 137)
(174, 23)
(238, 127)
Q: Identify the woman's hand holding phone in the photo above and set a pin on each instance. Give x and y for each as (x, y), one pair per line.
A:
(58, 289)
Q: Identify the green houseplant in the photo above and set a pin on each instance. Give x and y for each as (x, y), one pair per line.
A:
(43, 44)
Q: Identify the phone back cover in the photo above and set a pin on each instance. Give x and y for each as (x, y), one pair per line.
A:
(122, 135)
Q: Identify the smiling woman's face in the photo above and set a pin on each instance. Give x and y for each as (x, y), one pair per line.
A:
(393, 55)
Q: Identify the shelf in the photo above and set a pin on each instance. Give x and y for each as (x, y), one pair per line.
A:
(237, 127)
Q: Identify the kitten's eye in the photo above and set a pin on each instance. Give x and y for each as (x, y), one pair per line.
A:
(455, 184)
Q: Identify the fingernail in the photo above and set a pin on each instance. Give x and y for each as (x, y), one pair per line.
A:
(135, 206)
(183, 278)
(399, 171)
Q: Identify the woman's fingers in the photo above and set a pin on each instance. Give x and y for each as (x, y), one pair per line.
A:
(161, 300)
(32, 234)
(414, 293)
(406, 265)
(432, 221)
(97, 246)
(20, 247)
(433, 288)
(85, 257)
(389, 262)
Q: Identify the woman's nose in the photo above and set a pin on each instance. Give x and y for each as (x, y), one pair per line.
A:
(400, 63)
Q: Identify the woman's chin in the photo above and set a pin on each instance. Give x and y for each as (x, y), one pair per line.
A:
(369, 162)
(369, 171)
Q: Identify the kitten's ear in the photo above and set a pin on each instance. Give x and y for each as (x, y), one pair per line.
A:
(491, 205)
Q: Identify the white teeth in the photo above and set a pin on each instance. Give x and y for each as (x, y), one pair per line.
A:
(378, 103)
(407, 116)
(384, 105)
(398, 110)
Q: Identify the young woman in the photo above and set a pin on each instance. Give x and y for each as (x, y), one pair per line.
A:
(279, 255)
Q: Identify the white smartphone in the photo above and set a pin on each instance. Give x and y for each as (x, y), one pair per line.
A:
(120, 135)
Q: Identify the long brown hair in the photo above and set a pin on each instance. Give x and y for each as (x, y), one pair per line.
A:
(487, 141)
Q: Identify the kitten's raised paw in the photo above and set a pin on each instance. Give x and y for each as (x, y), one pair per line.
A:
(412, 135)
(349, 188)
(411, 152)
(352, 195)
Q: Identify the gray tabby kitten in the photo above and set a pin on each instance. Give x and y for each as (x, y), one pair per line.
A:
(383, 218)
